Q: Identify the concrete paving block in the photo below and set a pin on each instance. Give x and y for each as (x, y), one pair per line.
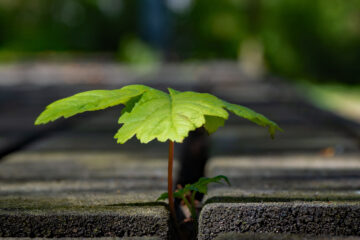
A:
(82, 195)
(294, 217)
(54, 217)
(264, 236)
(236, 195)
(80, 165)
(94, 238)
(256, 146)
(289, 172)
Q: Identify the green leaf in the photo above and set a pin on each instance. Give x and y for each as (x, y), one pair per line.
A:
(163, 196)
(253, 116)
(179, 193)
(152, 114)
(213, 123)
(89, 101)
(202, 184)
(168, 116)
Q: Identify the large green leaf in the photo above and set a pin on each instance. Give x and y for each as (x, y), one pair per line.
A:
(168, 116)
(152, 114)
(89, 101)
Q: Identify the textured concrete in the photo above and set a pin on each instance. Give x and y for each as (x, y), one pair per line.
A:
(79, 165)
(295, 217)
(75, 176)
(55, 217)
(264, 236)
(95, 238)
(236, 195)
(101, 178)
(82, 195)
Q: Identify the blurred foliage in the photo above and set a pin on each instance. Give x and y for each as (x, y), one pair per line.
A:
(342, 99)
(317, 39)
(64, 25)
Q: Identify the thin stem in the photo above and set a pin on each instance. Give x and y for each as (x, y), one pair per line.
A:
(191, 208)
(194, 212)
(192, 199)
(170, 179)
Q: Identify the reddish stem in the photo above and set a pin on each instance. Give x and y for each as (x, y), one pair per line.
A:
(170, 178)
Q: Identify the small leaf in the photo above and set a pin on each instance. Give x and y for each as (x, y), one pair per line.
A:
(163, 196)
(202, 184)
(179, 193)
(219, 177)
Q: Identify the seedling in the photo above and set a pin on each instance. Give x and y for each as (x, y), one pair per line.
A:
(201, 186)
(153, 114)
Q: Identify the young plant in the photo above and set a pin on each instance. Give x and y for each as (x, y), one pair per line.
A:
(153, 114)
(201, 186)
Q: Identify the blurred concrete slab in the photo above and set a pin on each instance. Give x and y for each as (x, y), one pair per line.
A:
(59, 172)
(289, 172)
(26, 88)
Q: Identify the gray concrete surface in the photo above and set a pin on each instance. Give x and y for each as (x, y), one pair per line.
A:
(294, 172)
(83, 216)
(330, 218)
(264, 236)
(100, 238)
(72, 175)
(82, 195)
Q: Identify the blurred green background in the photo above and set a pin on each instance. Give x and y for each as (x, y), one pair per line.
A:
(317, 40)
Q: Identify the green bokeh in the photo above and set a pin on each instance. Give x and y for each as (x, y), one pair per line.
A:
(317, 39)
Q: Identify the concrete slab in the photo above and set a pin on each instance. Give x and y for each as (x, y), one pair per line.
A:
(289, 172)
(341, 218)
(81, 217)
(264, 236)
(82, 195)
(96, 238)
(235, 195)
(75, 165)
(124, 178)
(252, 146)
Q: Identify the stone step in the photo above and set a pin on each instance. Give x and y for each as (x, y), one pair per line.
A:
(297, 194)
(129, 179)
(310, 145)
(95, 238)
(79, 165)
(264, 236)
(79, 194)
(316, 218)
(55, 217)
(289, 172)
(238, 195)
